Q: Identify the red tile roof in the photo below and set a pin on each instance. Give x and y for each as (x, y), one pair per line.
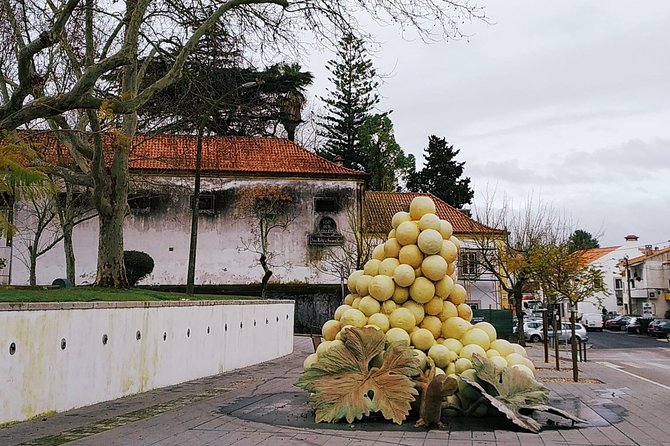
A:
(222, 155)
(653, 253)
(379, 208)
(588, 256)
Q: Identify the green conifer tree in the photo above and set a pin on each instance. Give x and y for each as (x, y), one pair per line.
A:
(349, 103)
(442, 174)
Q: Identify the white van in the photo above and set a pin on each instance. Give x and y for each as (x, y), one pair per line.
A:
(593, 321)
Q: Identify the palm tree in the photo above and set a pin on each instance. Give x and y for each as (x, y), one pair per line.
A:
(289, 84)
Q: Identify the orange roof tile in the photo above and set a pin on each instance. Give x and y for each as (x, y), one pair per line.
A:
(654, 253)
(588, 256)
(379, 208)
(221, 155)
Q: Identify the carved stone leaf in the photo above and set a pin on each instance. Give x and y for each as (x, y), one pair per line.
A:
(342, 385)
(513, 386)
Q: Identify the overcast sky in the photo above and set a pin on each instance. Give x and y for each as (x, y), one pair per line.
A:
(568, 100)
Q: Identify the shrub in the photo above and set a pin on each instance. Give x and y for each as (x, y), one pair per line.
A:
(138, 266)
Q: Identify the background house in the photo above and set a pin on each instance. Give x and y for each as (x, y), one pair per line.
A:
(158, 223)
(483, 289)
(648, 284)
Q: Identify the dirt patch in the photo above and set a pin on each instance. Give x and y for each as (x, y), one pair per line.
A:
(552, 379)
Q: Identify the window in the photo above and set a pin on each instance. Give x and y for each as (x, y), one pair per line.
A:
(206, 204)
(325, 204)
(468, 263)
(139, 203)
(618, 284)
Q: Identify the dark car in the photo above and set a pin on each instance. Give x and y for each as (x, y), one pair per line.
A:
(619, 323)
(633, 325)
(656, 327)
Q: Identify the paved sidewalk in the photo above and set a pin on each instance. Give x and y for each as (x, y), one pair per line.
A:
(260, 406)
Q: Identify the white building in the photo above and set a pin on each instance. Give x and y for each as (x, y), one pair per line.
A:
(159, 218)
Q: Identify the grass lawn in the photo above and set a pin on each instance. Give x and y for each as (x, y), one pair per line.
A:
(91, 294)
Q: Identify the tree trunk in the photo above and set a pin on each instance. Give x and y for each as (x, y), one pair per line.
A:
(266, 276)
(69, 254)
(518, 309)
(111, 272)
(33, 265)
(573, 342)
(195, 214)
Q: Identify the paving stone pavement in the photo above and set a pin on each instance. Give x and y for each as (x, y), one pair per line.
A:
(259, 405)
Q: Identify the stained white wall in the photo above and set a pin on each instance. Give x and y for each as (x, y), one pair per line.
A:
(223, 256)
(179, 341)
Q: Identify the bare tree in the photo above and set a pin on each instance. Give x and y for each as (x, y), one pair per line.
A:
(510, 257)
(269, 208)
(74, 65)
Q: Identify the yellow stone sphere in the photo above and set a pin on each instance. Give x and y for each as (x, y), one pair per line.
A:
(446, 229)
(410, 255)
(448, 310)
(434, 306)
(489, 329)
(524, 369)
(362, 283)
(349, 298)
(387, 266)
(520, 350)
(502, 346)
(369, 306)
(448, 251)
(454, 345)
(498, 362)
(378, 252)
(404, 275)
(451, 271)
(323, 348)
(462, 364)
(399, 217)
(310, 361)
(432, 324)
(440, 355)
(429, 221)
(444, 286)
(400, 294)
(356, 301)
(421, 356)
(381, 288)
(391, 234)
(490, 353)
(434, 267)
(407, 233)
(397, 334)
(430, 241)
(389, 307)
(421, 206)
(402, 318)
(353, 317)
(464, 312)
(451, 370)
(470, 349)
(416, 309)
(371, 267)
(514, 358)
(422, 339)
(381, 321)
(330, 329)
(457, 295)
(455, 327)
(422, 290)
(340, 310)
(351, 281)
(476, 336)
(453, 239)
(391, 248)
(417, 272)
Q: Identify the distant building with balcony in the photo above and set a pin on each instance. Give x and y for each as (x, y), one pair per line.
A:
(648, 281)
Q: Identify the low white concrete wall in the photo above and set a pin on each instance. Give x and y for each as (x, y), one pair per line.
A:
(56, 357)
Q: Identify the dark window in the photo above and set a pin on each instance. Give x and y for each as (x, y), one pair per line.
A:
(139, 203)
(206, 203)
(618, 284)
(325, 204)
(468, 263)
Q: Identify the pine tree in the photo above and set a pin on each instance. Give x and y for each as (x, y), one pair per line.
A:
(581, 239)
(442, 174)
(349, 103)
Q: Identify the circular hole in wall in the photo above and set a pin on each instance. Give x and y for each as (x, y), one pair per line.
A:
(277, 318)
(63, 344)
(188, 332)
(208, 330)
(266, 321)
(240, 324)
(138, 335)
(225, 327)
(164, 335)
(105, 339)
(12, 348)
(287, 317)
(254, 322)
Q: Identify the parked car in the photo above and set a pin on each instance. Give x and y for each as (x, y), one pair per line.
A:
(565, 334)
(633, 325)
(532, 330)
(657, 326)
(619, 323)
(593, 321)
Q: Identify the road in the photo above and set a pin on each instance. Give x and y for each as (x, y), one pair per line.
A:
(645, 357)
